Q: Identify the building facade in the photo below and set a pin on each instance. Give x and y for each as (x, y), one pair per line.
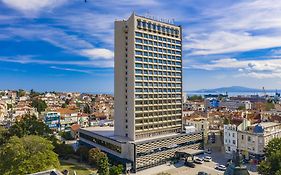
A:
(253, 140)
(148, 78)
(230, 138)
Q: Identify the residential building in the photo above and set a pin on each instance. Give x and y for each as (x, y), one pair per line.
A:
(200, 123)
(148, 97)
(254, 138)
(52, 120)
(230, 138)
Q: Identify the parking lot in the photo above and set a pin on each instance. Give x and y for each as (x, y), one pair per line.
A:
(180, 169)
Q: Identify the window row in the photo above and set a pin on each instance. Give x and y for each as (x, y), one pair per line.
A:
(146, 108)
(157, 44)
(158, 125)
(144, 96)
(155, 84)
(157, 78)
(156, 90)
(162, 56)
(160, 61)
(158, 28)
(151, 114)
(151, 54)
(150, 42)
(150, 72)
(157, 119)
(140, 65)
(156, 102)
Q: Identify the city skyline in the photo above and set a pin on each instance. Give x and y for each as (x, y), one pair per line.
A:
(68, 46)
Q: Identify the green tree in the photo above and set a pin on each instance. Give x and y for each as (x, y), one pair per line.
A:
(34, 94)
(3, 135)
(87, 109)
(27, 155)
(195, 97)
(226, 121)
(20, 93)
(94, 155)
(103, 166)
(272, 164)
(40, 105)
(63, 150)
(64, 105)
(83, 152)
(241, 108)
(29, 125)
(116, 170)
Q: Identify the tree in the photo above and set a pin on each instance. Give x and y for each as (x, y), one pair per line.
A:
(27, 155)
(3, 135)
(20, 93)
(63, 150)
(241, 108)
(87, 109)
(29, 125)
(103, 166)
(83, 152)
(64, 105)
(33, 94)
(94, 155)
(195, 97)
(116, 170)
(40, 105)
(226, 121)
(272, 164)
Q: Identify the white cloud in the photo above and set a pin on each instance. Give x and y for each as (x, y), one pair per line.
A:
(226, 42)
(97, 53)
(31, 60)
(71, 69)
(242, 26)
(32, 7)
(270, 68)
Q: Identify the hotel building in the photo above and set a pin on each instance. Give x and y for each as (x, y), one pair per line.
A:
(147, 96)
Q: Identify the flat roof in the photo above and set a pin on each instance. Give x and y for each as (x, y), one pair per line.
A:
(105, 131)
(108, 132)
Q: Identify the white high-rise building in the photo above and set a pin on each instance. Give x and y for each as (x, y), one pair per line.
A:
(148, 78)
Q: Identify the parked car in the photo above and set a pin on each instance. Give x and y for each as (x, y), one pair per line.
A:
(189, 164)
(207, 159)
(202, 173)
(198, 160)
(221, 167)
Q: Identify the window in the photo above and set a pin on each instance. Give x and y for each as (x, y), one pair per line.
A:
(249, 139)
(138, 40)
(144, 24)
(138, 52)
(138, 46)
(139, 34)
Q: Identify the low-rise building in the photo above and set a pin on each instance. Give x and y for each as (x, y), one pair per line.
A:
(52, 120)
(230, 138)
(253, 138)
(200, 124)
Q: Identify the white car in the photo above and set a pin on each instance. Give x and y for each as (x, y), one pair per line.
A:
(198, 160)
(207, 159)
(221, 167)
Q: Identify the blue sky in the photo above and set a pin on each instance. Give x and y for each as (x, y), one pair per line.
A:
(67, 45)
